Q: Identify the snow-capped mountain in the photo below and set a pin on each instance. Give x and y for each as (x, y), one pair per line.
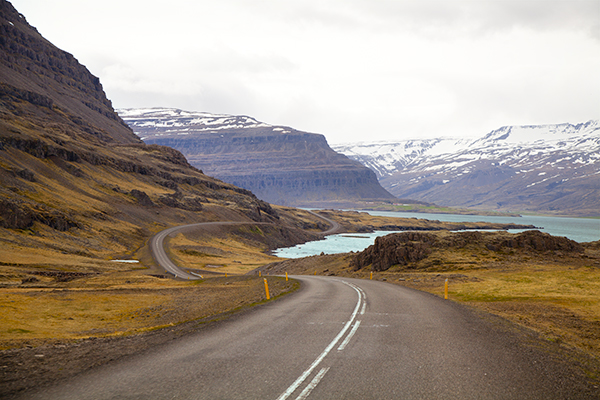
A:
(278, 164)
(543, 168)
(155, 122)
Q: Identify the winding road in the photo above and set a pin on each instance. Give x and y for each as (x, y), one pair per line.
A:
(337, 338)
(157, 247)
(340, 338)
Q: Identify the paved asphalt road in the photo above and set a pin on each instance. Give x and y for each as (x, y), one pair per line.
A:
(338, 338)
(160, 256)
(158, 250)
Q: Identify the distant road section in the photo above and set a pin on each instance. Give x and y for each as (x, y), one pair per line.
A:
(160, 256)
(335, 227)
(157, 247)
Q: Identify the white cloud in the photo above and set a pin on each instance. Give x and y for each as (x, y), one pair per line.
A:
(350, 69)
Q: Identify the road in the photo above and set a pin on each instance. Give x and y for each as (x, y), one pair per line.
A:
(157, 247)
(334, 228)
(339, 338)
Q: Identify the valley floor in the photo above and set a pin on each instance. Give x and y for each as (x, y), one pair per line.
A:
(59, 328)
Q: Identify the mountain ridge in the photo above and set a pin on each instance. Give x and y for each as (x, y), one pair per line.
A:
(551, 168)
(279, 164)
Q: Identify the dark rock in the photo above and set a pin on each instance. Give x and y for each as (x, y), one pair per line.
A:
(27, 175)
(15, 214)
(142, 198)
(539, 241)
(394, 249)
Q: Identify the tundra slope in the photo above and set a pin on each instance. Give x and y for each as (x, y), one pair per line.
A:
(77, 186)
(552, 169)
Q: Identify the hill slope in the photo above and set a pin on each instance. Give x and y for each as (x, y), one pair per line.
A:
(77, 186)
(278, 164)
(552, 169)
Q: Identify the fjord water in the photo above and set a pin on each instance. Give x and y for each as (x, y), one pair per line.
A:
(578, 229)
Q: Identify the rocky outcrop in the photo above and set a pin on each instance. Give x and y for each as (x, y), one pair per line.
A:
(21, 215)
(537, 241)
(407, 248)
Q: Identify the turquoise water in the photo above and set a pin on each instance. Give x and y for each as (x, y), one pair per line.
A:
(578, 229)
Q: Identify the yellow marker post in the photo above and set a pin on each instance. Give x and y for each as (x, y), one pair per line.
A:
(267, 289)
(371, 274)
(315, 272)
(286, 278)
(259, 273)
(446, 289)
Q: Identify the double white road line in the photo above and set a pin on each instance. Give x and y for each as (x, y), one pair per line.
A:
(355, 323)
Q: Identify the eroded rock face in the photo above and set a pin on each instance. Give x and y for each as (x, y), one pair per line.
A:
(538, 241)
(278, 164)
(407, 248)
(35, 71)
(395, 249)
(16, 214)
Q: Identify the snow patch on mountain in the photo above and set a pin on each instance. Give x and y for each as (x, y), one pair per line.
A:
(510, 145)
(171, 121)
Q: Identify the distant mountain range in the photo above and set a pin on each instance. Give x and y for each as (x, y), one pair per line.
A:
(551, 169)
(278, 164)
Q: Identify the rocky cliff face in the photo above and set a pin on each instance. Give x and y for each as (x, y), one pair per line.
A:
(278, 164)
(34, 70)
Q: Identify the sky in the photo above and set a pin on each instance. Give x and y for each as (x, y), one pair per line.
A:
(353, 70)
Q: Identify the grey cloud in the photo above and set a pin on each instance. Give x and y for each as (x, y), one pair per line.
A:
(480, 16)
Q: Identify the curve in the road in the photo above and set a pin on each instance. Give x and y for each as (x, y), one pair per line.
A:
(160, 256)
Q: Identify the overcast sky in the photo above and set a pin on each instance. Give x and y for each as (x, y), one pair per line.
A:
(353, 70)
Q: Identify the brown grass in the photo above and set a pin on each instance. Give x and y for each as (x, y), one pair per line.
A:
(218, 254)
(121, 304)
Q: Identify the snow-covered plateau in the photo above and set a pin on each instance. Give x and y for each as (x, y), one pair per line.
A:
(152, 122)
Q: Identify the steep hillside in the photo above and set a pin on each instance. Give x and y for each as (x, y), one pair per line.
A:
(278, 164)
(77, 186)
(552, 169)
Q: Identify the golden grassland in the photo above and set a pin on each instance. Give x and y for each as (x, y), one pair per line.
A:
(558, 296)
(50, 295)
(219, 255)
(120, 304)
